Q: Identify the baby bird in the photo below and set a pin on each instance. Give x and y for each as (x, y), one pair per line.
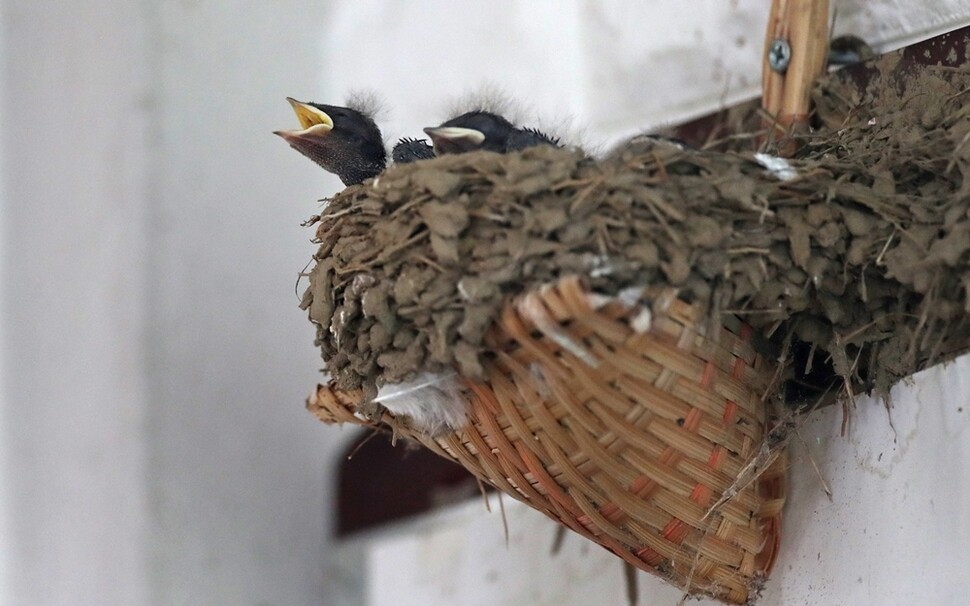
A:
(471, 131)
(849, 49)
(483, 130)
(343, 140)
(411, 150)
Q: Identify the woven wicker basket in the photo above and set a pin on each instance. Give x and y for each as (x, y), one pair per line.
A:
(645, 442)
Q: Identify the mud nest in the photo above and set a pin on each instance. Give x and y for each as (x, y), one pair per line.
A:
(858, 256)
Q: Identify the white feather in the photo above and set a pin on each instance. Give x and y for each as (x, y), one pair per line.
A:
(435, 403)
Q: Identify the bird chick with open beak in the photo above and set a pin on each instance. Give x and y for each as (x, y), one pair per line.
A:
(483, 130)
(343, 140)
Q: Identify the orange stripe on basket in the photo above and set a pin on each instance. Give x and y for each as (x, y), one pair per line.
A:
(643, 490)
(745, 332)
(649, 556)
(485, 396)
(718, 454)
(737, 371)
(701, 494)
(612, 512)
(670, 456)
(643, 487)
(707, 377)
(676, 531)
(693, 419)
(553, 489)
(730, 412)
(639, 484)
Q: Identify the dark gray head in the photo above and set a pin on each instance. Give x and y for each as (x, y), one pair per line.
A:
(411, 150)
(471, 131)
(343, 140)
(849, 49)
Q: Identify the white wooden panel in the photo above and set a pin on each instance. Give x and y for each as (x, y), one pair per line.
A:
(607, 68)
(73, 204)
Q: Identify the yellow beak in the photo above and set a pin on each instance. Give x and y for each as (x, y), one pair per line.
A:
(467, 136)
(314, 121)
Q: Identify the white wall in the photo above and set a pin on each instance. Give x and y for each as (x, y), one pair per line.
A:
(6, 486)
(240, 473)
(607, 68)
(153, 362)
(73, 152)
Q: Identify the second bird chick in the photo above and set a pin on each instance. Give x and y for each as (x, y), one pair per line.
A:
(411, 150)
(483, 130)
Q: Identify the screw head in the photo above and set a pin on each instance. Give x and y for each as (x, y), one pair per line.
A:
(779, 55)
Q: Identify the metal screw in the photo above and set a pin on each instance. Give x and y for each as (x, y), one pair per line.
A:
(779, 55)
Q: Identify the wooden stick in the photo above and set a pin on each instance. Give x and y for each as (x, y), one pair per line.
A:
(786, 96)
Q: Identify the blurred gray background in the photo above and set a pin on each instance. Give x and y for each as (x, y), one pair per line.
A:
(154, 448)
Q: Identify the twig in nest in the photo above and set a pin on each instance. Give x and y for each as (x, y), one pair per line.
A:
(603, 238)
(577, 203)
(750, 473)
(568, 183)
(818, 472)
(335, 215)
(663, 177)
(811, 358)
(782, 364)
(749, 312)
(744, 250)
(496, 217)
(412, 203)
(847, 381)
(430, 263)
(665, 207)
(693, 565)
(885, 248)
(955, 95)
(369, 437)
(484, 493)
(771, 447)
(858, 331)
(928, 300)
(935, 352)
(735, 137)
(390, 251)
(311, 221)
(303, 274)
(505, 519)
